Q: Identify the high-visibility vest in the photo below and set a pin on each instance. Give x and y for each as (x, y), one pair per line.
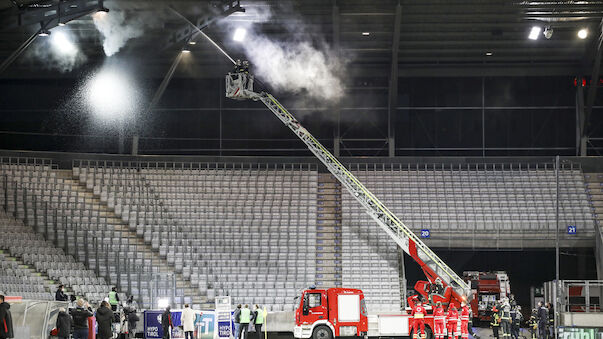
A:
(113, 298)
(245, 316)
(259, 319)
(495, 318)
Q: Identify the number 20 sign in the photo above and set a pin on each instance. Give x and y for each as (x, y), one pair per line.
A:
(425, 233)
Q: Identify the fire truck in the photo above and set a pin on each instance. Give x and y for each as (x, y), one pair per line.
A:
(323, 314)
(486, 288)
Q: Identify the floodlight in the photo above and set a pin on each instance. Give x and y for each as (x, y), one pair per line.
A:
(62, 44)
(103, 9)
(61, 24)
(163, 303)
(192, 42)
(366, 33)
(548, 32)
(534, 33)
(489, 53)
(583, 33)
(239, 34)
(44, 32)
(186, 50)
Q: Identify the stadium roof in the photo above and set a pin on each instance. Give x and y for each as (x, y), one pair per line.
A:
(428, 38)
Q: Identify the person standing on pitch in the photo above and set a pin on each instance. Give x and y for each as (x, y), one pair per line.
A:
(6, 320)
(113, 299)
(505, 318)
(237, 321)
(188, 322)
(418, 319)
(259, 316)
(543, 319)
(452, 319)
(244, 320)
(439, 321)
(495, 321)
(80, 317)
(464, 320)
(166, 323)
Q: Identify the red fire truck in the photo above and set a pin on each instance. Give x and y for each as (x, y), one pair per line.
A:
(341, 312)
(486, 288)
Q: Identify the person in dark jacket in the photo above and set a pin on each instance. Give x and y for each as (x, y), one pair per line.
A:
(166, 323)
(132, 321)
(64, 323)
(60, 295)
(6, 320)
(80, 317)
(543, 319)
(104, 319)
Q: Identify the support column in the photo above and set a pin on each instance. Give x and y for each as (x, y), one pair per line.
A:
(337, 108)
(581, 137)
(393, 83)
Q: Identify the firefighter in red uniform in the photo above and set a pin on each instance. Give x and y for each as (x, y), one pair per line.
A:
(418, 321)
(452, 319)
(439, 321)
(464, 320)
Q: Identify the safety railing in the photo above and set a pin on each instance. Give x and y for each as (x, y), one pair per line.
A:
(577, 295)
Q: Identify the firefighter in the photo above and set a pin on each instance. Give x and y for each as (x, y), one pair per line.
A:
(533, 323)
(505, 318)
(439, 321)
(543, 319)
(452, 319)
(418, 321)
(464, 320)
(516, 319)
(495, 321)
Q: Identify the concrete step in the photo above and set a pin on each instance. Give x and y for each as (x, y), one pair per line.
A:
(593, 177)
(328, 203)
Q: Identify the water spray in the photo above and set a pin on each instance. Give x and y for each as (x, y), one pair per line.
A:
(204, 35)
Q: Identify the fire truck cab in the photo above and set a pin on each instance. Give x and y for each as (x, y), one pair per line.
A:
(325, 314)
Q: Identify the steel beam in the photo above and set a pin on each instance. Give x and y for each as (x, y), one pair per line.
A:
(187, 33)
(393, 82)
(337, 108)
(580, 119)
(8, 61)
(594, 79)
(48, 15)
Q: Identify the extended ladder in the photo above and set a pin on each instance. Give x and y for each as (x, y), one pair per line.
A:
(431, 264)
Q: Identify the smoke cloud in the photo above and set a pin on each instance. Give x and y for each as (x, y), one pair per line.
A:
(296, 67)
(115, 30)
(58, 51)
(303, 64)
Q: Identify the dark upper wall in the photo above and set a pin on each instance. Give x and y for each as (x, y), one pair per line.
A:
(434, 117)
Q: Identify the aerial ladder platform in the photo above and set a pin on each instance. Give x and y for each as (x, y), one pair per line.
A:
(240, 86)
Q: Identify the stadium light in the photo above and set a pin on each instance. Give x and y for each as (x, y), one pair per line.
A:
(163, 303)
(239, 34)
(583, 33)
(44, 32)
(489, 53)
(366, 33)
(62, 44)
(186, 50)
(534, 33)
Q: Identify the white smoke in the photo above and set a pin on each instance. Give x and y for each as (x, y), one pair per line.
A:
(59, 51)
(296, 67)
(117, 29)
(302, 64)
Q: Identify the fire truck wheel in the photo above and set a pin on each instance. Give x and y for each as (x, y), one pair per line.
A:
(428, 333)
(322, 332)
